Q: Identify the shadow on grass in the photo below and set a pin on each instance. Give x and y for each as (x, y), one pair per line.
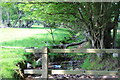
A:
(62, 29)
(38, 40)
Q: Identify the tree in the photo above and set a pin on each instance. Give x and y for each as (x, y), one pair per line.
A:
(0, 15)
(9, 15)
(96, 19)
(13, 16)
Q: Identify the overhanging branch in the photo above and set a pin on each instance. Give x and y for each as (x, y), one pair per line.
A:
(69, 44)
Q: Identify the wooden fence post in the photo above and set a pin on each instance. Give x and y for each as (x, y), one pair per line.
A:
(45, 63)
(119, 74)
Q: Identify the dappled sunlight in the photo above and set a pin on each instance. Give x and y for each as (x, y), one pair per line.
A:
(38, 37)
(67, 72)
(24, 37)
(91, 50)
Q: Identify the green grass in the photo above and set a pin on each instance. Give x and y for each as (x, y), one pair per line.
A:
(24, 37)
(30, 37)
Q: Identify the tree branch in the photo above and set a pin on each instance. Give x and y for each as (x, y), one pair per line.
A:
(69, 44)
(59, 13)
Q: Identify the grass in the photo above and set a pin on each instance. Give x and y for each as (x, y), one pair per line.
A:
(32, 37)
(9, 34)
(24, 37)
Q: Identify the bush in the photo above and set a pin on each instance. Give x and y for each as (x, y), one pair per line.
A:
(92, 63)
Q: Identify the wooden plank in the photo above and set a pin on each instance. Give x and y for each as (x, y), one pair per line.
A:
(67, 72)
(84, 50)
(33, 50)
(45, 62)
(89, 72)
(75, 50)
(33, 71)
(86, 72)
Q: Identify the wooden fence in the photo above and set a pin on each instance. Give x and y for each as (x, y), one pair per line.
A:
(44, 51)
(44, 71)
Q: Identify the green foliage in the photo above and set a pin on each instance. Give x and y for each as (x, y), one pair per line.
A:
(49, 12)
(92, 63)
(94, 20)
(8, 59)
(10, 9)
(118, 39)
(86, 64)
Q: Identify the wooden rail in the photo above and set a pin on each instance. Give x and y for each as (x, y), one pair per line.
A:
(37, 50)
(84, 50)
(33, 50)
(33, 71)
(86, 72)
(45, 52)
(75, 50)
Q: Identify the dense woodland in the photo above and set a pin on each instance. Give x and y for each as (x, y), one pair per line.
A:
(64, 26)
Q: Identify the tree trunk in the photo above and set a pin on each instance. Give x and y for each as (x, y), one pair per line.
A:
(29, 23)
(1, 21)
(114, 40)
(8, 19)
(20, 23)
(100, 39)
